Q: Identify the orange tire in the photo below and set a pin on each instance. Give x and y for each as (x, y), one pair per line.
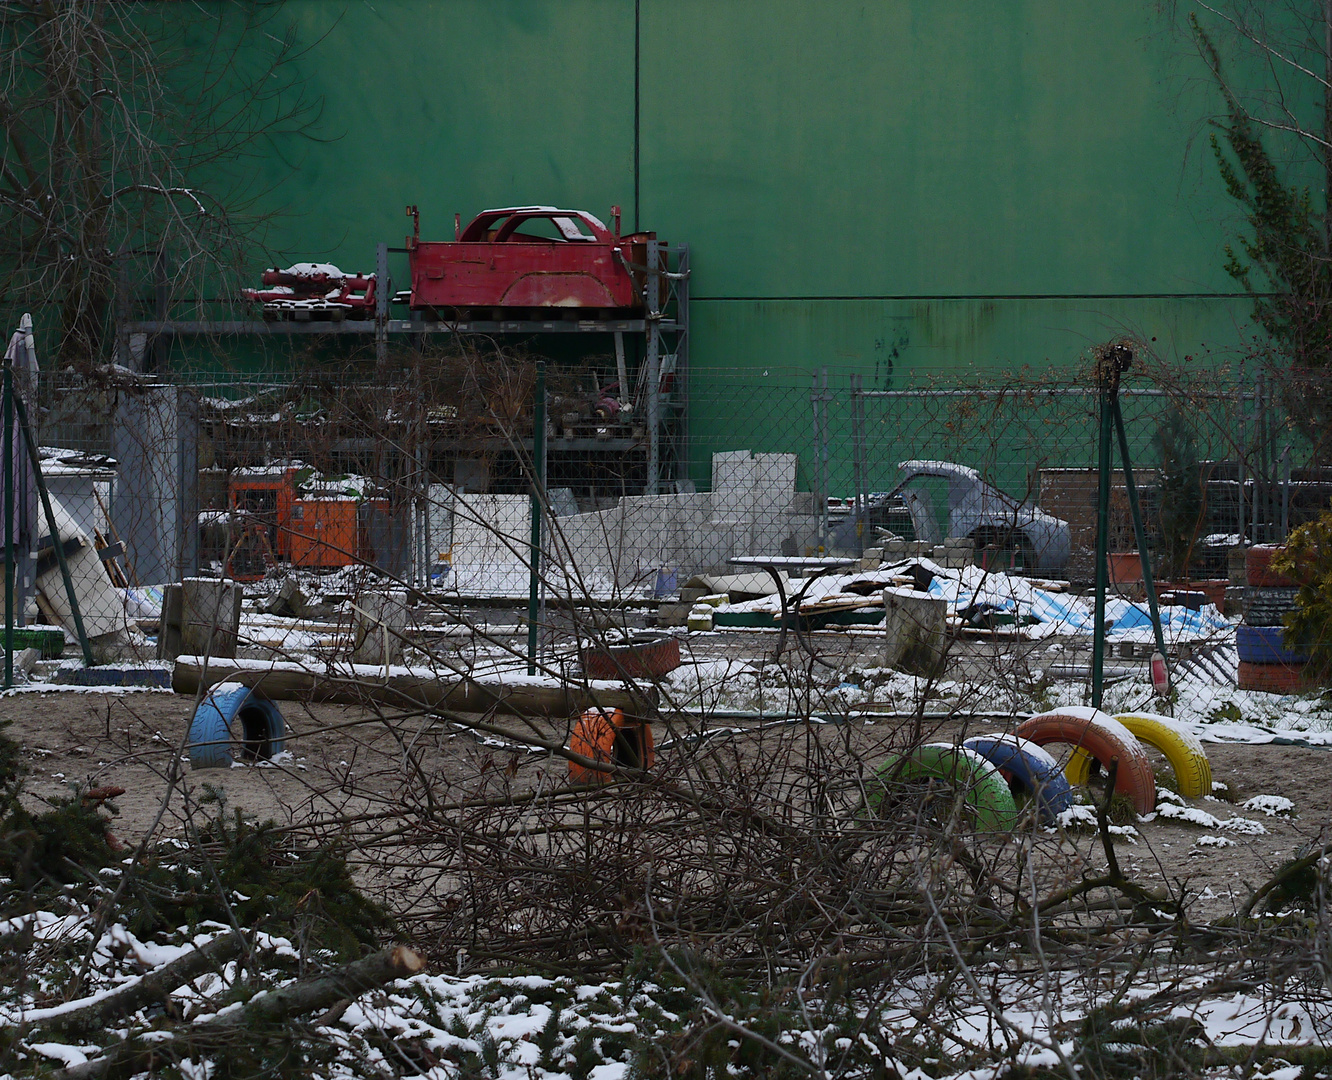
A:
(1104, 738)
(1272, 678)
(616, 739)
(1258, 570)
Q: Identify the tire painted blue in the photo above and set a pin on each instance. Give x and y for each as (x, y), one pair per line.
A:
(1033, 770)
(1263, 645)
(212, 736)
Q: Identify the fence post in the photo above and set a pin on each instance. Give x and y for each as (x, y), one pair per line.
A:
(538, 493)
(57, 544)
(652, 280)
(1107, 381)
(818, 400)
(858, 464)
(383, 287)
(1285, 492)
(10, 546)
(1242, 456)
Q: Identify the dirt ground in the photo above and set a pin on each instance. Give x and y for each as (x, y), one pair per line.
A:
(345, 761)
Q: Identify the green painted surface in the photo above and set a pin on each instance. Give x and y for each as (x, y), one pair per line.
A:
(916, 148)
(1029, 345)
(941, 188)
(455, 106)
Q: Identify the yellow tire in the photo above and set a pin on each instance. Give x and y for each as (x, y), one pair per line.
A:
(1193, 772)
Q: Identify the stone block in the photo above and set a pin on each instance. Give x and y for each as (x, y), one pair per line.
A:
(673, 614)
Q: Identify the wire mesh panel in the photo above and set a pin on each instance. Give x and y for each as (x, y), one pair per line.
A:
(421, 473)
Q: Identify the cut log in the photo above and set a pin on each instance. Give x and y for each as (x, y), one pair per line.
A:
(378, 624)
(357, 684)
(349, 981)
(210, 616)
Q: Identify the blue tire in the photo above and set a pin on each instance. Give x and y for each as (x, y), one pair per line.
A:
(1264, 645)
(213, 738)
(1032, 770)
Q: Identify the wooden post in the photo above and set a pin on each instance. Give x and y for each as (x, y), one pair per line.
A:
(169, 645)
(914, 622)
(210, 616)
(378, 623)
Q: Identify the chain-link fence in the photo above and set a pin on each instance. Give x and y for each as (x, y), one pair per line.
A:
(421, 475)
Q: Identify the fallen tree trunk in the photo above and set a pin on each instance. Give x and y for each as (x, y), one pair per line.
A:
(354, 684)
(270, 1007)
(308, 995)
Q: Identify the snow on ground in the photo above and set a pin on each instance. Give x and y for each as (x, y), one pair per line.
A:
(529, 1026)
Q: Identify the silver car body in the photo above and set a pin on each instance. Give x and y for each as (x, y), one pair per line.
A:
(980, 512)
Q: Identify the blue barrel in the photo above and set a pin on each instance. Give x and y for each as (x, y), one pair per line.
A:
(1264, 645)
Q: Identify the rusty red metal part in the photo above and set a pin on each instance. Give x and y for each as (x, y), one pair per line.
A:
(314, 287)
(503, 260)
(649, 660)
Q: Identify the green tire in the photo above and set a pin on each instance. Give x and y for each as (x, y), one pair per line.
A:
(989, 803)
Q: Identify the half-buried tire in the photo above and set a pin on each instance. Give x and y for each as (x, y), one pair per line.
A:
(230, 722)
(1188, 759)
(1104, 738)
(1029, 769)
(987, 803)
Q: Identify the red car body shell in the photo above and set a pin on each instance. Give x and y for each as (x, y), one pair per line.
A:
(493, 265)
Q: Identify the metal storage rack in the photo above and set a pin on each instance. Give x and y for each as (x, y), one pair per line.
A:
(664, 330)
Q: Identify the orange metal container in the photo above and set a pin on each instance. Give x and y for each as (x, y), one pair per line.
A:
(323, 532)
(267, 494)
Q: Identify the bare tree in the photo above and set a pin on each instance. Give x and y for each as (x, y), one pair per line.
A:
(124, 125)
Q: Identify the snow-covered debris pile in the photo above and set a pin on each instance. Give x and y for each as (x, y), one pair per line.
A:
(517, 1027)
(973, 592)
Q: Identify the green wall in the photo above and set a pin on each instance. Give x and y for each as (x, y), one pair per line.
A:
(988, 184)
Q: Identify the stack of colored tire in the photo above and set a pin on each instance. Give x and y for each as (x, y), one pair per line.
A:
(1266, 663)
(985, 772)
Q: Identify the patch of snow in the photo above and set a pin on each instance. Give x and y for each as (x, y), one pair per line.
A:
(1271, 805)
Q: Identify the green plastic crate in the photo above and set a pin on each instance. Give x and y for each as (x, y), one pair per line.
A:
(50, 643)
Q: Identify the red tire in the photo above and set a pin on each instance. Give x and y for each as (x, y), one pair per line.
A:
(1272, 678)
(1104, 737)
(1258, 571)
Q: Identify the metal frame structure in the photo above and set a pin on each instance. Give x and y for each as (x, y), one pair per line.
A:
(664, 328)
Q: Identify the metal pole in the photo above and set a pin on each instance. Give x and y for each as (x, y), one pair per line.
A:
(1108, 367)
(383, 290)
(11, 549)
(1240, 458)
(653, 285)
(538, 494)
(858, 465)
(1138, 531)
(1258, 433)
(56, 542)
(1285, 492)
(823, 461)
(818, 460)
